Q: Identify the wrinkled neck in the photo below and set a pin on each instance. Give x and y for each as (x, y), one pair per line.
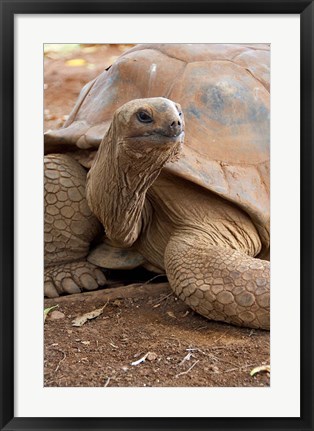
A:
(116, 188)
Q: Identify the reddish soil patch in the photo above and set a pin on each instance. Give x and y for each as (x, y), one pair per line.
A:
(66, 73)
(186, 349)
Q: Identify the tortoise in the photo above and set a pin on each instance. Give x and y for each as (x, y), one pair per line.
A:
(177, 138)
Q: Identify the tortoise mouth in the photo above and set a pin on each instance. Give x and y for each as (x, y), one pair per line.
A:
(158, 135)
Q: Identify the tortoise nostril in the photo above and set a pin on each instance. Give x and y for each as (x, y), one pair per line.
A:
(173, 124)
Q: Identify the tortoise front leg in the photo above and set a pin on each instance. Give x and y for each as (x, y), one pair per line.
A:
(69, 228)
(219, 283)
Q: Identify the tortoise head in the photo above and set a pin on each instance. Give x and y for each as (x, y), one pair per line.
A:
(149, 130)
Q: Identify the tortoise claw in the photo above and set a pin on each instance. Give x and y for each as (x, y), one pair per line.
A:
(49, 290)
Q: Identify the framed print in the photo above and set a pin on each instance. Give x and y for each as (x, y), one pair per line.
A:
(151, 154)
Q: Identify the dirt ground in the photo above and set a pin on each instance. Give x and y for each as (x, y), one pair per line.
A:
(144, 335)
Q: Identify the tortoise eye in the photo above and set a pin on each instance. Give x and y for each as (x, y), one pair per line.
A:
(179, 111)
(143, 117)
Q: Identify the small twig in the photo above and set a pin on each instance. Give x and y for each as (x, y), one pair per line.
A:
(225, 347)
(56, 381)
(162, 299)
(187, 371)
(165, 297)
(225, 333)
(210, 355)
(113, 345)
(107, 382)
(201, 327)
(186, 358)
(154, 278)
(222, 360)
(61, 360)
(237, 369)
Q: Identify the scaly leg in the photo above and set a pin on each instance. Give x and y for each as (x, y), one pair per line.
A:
(219, 283)
(69, 228)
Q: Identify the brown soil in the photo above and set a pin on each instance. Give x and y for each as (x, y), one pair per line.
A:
(64, 78)
(185, 349)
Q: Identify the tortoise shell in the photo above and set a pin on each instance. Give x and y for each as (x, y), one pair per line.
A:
(223, 90)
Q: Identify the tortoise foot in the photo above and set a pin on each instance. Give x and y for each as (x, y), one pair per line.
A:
(72, 278)
(219, 283)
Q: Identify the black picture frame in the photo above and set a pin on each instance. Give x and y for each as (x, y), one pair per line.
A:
(11, 7)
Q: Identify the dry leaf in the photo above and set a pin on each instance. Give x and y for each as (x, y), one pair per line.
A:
(140, 360)
(150, 356)
(76, 62)
(80, 320)
(171, 314)
(261, 369)
(47, 310)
